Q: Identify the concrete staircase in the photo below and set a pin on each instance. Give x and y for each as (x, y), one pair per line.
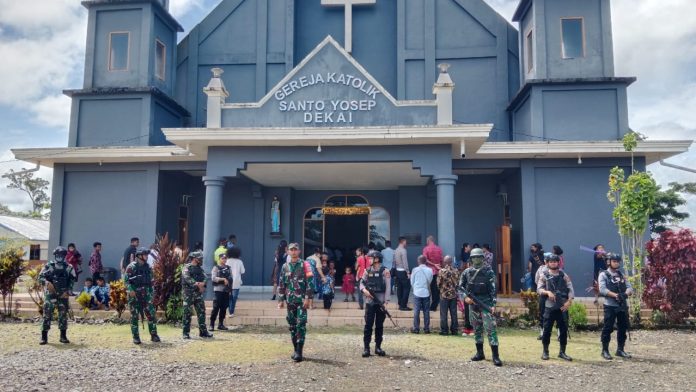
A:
(255, 310)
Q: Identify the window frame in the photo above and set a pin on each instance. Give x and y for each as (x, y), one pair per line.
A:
(162, 77)
(529, 50)
(108, 64)
(582, 34)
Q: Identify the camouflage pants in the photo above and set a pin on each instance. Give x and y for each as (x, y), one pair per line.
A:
(195, 300)
(297, 320)
(483, 320)
(48, 306)
(136, 305)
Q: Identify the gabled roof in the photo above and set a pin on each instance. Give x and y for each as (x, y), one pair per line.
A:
(31, 229)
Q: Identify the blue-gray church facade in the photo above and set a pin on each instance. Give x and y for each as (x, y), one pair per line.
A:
(423, 117)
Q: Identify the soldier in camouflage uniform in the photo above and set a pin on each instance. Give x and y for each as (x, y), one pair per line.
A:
(296, 288)
(58, 279)
(193, 281)
(138, 280)
(479, 281)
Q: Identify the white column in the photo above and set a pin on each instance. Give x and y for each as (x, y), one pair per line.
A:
(217, 93)
(442, 90)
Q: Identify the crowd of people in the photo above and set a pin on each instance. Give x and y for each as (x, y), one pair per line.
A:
(467, 286)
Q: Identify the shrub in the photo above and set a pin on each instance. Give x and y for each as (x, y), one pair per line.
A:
(670, 275)
(577, 315)
(11, 268)
(118, 298)
(167, 279)
(83, 300)
(530, 299)
(34, 288)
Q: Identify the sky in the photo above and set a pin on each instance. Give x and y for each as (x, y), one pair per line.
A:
(43, 47)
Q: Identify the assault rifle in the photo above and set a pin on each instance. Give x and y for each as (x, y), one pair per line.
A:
(138, 293)
(379, 303)
(477, 301)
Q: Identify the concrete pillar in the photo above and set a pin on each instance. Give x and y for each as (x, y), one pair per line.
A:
(443, 96)
(217, 93)
(445, 213)
(214, 187)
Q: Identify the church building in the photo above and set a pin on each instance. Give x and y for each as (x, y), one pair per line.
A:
(336, 123)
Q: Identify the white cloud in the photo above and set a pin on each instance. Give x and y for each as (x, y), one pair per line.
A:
(180, 7)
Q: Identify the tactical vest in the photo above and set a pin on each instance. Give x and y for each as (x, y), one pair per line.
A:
(615, 284)
(558, 286)
(196, 273)
(477, 283)
(224, 272)
(375, 280)
(141, 276)
(58, 275)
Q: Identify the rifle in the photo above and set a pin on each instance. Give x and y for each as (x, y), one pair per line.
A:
(622, 300)
(477, 301)
(138, 297)
(379, 303)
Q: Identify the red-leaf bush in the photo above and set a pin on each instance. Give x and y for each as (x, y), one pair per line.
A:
(167, 278)
(670, 275)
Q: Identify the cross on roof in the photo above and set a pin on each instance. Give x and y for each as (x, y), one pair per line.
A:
(348, 4)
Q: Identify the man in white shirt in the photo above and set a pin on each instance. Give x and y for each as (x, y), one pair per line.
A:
(421, 277)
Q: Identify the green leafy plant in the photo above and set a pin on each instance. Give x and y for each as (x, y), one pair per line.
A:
(11, 268)
(118, 298)
(530, 299)
(34, 288)
(167, 279)
(633, 198)
(577, 315)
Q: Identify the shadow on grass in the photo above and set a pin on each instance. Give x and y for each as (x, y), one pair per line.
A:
(328, 362)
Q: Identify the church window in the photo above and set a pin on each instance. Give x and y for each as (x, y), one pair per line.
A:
(118, 51)
(160, 59)
(573, 34)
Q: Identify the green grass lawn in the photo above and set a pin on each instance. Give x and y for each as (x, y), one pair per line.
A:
(268, 344)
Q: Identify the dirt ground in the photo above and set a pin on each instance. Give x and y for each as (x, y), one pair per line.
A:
(102, 357)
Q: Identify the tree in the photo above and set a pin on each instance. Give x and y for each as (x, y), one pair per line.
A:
(35, 188)
(670, 275)
(634, 199)
(666, 204)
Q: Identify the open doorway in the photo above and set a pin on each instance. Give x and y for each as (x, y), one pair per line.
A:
(342, 235)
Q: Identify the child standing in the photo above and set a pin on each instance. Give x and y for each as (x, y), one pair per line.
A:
(328, 291)
(349, 284)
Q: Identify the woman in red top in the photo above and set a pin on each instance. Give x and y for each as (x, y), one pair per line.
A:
(74, 259)
(361, 264)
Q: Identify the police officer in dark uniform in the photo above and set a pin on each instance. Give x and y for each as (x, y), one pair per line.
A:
(375, 285)
(557, 287)
(614, 287)
(58, 278)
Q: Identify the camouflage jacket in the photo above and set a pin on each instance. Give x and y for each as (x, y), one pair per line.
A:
(190, 275)
(296, 282)
(447, 281)
(138, 277)
(486, 278)
(61, 274)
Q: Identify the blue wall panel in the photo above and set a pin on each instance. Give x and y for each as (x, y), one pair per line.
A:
(105, 121)
(581, 115)
(117, 21)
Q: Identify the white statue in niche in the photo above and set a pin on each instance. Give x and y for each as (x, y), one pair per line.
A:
(275, 215)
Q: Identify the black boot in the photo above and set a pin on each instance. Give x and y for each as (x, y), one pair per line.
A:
(155, 338)
(212, 325)
(64, 337)
(621, 353)
(136, 339)
(605, 351)
(44, 337)
(545, 353)
(562, 354)
(496, 357)
(273, 298)
(366, 350)
(294, 349)
(379, 351)
(479, 353)
(186, 335)
(298, 357)
(205, 334)
(222, 327)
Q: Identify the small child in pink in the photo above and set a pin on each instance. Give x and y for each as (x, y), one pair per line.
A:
(348, 286)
